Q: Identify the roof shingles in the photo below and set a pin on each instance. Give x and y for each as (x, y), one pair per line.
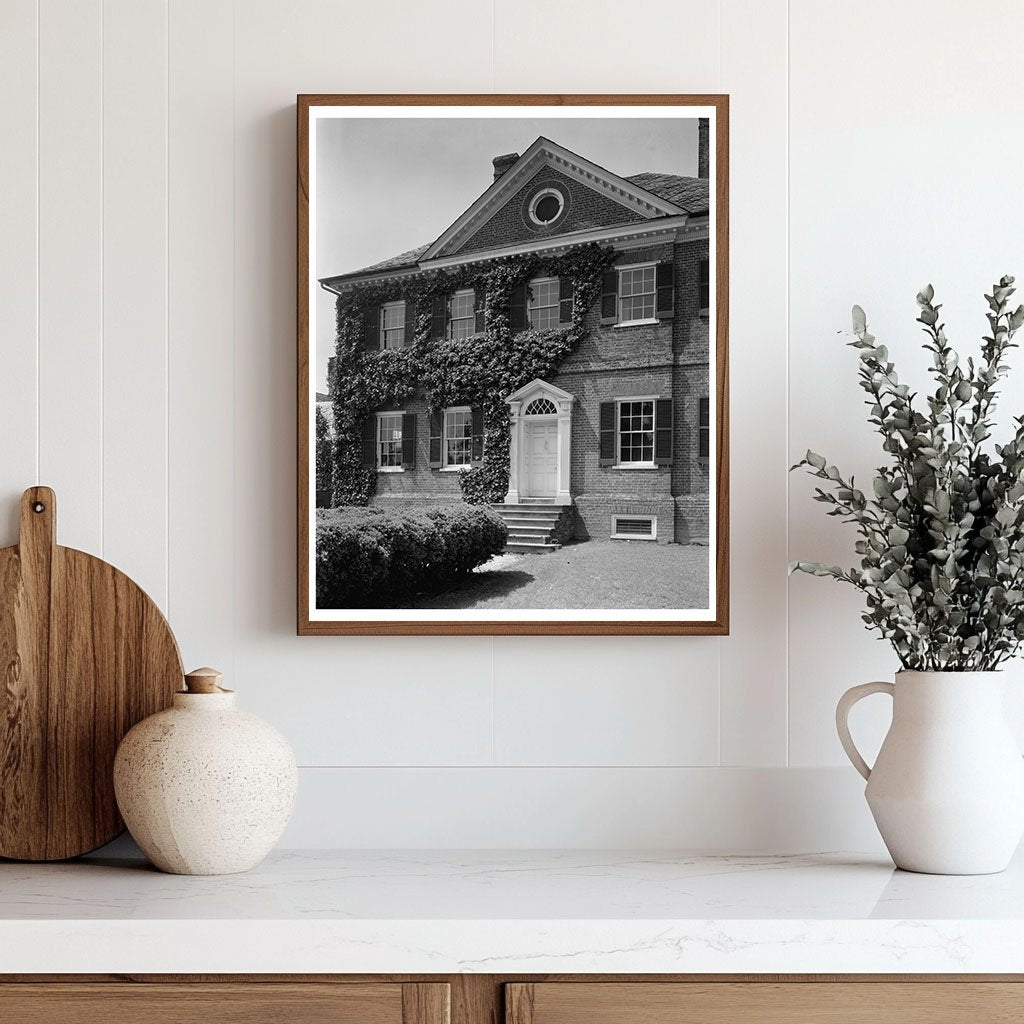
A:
(691, 194)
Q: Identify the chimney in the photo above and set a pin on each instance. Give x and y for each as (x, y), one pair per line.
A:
(503, 163)
(703, 148)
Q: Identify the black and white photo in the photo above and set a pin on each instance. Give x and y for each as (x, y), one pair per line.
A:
(512, 396)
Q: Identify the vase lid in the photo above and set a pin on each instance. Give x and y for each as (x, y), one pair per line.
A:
(204, 681)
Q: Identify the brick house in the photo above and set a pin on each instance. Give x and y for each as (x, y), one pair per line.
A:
(614, 442)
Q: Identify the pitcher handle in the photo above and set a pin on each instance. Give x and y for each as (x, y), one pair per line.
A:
(846, 702)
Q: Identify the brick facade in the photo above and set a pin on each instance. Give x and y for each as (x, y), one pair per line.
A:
(665, 359)
(585, 208)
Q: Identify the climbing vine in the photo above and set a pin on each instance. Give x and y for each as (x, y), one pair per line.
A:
(482, 370)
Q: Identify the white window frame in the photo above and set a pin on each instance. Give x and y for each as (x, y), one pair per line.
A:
(653, 319)
(383, 330)
(455, 467)
(535, 202)
(453, 319)
(704, 460)
(653, 399)
(531, 305)
(652, 519)
(380, 419)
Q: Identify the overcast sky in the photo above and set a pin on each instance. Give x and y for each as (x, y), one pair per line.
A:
(384, 185)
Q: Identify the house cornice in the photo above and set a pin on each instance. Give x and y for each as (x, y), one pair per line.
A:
(620, 237)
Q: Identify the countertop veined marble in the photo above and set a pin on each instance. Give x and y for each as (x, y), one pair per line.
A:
(510, 912)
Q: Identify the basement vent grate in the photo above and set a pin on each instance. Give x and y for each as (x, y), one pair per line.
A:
(635, 527)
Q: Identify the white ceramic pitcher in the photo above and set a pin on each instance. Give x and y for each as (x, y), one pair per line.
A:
(947, 789)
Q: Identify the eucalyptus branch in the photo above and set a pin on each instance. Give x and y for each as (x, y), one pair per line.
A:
(942, 535)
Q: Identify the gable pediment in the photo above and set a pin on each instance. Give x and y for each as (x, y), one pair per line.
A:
(508, 212)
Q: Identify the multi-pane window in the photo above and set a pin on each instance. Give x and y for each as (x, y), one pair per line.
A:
(636, 294)
(705, 285)
(389, 440)
(458, 437)
(704, 430)
(636, 431)
(544, 303)
(461, 314)
(392, 325)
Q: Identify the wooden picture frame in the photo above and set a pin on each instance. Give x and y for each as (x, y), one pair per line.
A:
(658, 217)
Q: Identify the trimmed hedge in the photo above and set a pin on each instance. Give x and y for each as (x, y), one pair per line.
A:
(368, 556)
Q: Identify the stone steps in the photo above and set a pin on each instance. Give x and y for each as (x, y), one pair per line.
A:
(531, 526)
(523, 547)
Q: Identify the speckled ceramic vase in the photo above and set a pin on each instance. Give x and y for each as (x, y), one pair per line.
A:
(204, 788)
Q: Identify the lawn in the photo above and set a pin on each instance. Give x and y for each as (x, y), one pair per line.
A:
(594, 574)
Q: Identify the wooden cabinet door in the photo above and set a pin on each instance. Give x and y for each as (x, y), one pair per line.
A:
(861, 1002)
(228, 1003)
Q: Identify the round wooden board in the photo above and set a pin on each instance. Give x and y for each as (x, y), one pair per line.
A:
(84, 655)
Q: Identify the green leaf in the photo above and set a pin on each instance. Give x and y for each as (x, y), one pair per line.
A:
(860, 321)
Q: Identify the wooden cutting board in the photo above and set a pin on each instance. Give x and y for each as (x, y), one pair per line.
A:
(84, 655)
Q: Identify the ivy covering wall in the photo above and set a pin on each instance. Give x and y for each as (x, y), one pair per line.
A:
(482, 370)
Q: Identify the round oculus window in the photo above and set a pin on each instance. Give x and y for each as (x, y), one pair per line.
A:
(546, 206)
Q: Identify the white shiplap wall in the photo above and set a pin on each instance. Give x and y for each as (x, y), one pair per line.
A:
(147, 367)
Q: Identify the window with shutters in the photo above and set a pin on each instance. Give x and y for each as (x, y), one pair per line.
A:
(392, 325)
(636, 293)
(635, 432)
(462, 314)
(458, 438)
(543, 303)
(389, 442)
(704, 300)
(704, 431)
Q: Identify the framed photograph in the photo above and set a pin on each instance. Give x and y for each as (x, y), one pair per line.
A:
(512, 364)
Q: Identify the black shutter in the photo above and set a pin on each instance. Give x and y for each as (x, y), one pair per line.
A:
(607, 450)
(663, 432)
(408, 440)
(704, 430)
(477, 415)
(436, 426)
(665, 283)
(517, 312)
(609, 296)
(704, 299)
(479, 298)
(371, 328)
(410, 325)
(566, 289)
(370, 442)
(439, 317)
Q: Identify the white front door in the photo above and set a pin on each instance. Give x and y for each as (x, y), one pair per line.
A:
(541, 458)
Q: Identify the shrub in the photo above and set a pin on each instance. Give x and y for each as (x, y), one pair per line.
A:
(368, 557)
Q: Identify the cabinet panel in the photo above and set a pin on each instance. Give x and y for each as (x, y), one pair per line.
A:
(765, 1003)
(242, 1003)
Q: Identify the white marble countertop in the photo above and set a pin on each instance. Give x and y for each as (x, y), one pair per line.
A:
(490, 912)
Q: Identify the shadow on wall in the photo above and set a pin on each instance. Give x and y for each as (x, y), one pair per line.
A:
(10, 514)
(265, 371)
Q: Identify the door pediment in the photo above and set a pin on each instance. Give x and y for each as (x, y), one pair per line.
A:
(538, 388)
